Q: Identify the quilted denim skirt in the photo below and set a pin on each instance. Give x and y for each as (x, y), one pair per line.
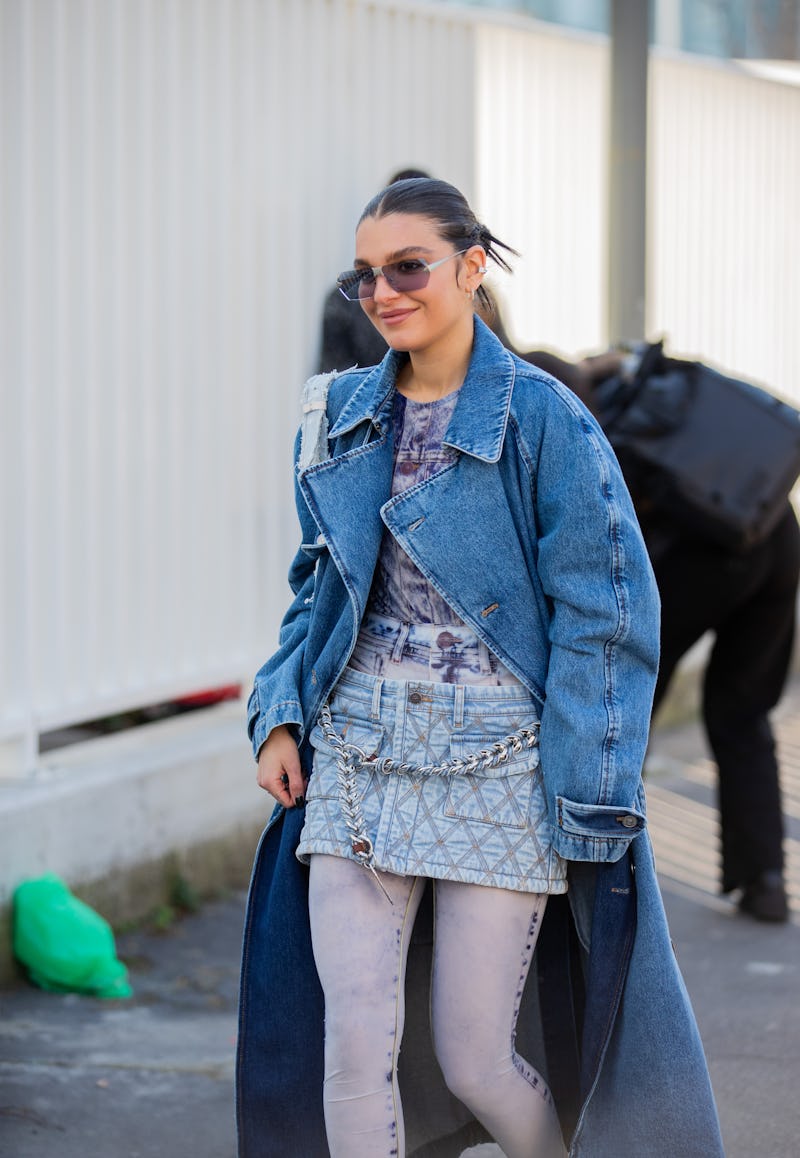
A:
(489, 828)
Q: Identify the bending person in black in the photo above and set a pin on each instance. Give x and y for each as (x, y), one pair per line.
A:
(748, 601)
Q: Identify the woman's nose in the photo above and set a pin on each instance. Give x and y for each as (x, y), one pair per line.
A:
(382, 288)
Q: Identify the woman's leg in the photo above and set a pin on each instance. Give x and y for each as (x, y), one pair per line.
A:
(360, 948)
(483, 945)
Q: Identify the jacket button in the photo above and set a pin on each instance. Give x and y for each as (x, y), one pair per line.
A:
(415, 698)
(628, 821)
(320, 540)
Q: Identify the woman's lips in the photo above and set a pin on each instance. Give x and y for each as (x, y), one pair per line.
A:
(394, 317)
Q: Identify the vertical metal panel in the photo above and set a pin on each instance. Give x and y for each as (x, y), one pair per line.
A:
(724, 186)
(627, 186)
(16, 500)
(541, 123)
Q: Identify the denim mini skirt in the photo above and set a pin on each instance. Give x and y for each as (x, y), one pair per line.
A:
(488, 828)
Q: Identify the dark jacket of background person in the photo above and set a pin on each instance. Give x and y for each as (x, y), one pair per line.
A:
(348, 336)
(748, 600)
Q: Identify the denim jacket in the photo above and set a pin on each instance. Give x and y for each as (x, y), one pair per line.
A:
(531, 537)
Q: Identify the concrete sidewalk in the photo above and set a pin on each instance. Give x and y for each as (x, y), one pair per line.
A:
(152, 1077)
(743, 976)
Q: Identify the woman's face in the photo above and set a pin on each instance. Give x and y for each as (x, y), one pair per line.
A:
(417, 320)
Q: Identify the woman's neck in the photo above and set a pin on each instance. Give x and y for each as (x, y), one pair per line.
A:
(426, 377)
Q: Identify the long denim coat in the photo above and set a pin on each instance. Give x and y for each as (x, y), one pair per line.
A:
(532, 538)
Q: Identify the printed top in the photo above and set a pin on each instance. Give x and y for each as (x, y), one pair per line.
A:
(399, 589)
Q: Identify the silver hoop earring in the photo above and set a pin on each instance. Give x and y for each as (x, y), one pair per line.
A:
(483, 269)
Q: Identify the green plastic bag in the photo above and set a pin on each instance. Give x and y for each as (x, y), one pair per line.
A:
(65, 946)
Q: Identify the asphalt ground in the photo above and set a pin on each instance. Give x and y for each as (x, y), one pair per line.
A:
(152, 1076)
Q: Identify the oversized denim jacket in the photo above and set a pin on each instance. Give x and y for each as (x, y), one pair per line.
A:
(530, 536)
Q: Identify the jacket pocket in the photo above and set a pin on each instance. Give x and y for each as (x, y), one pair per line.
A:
(499, 795)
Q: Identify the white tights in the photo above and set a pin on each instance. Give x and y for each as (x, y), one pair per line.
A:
(483, 944)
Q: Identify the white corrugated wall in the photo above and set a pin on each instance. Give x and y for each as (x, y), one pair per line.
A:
(178, 186)
(542, 108)
(724, 204)
(180, 180)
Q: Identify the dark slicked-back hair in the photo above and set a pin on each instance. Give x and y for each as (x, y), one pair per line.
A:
(450, 212)
(406, 174)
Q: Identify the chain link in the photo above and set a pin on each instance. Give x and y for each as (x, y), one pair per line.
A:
(483, 760)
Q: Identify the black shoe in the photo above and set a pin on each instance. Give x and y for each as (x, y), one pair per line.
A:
(765, 898)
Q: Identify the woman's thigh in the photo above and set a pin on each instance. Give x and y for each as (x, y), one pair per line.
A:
(484, 943)
(360, 941)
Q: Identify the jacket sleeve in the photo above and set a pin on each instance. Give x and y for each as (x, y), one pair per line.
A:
(275, 698)
(604, 632)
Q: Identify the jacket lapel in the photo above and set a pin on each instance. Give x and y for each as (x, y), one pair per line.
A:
(479, 422)
(345, 494)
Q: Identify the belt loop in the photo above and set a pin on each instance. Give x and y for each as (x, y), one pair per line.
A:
(484, 659)
(375, 714)
(400, 642)
(458, 706)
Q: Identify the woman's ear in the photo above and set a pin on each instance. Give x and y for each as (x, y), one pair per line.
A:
(474, 268)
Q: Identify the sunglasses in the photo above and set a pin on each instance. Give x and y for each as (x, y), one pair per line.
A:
(403, 276)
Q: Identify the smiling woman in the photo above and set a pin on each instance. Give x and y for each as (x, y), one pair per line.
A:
(459, 706)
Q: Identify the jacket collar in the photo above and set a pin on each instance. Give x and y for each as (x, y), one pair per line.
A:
(480, 418)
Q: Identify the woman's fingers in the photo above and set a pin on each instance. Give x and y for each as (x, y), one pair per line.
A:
(279, 771)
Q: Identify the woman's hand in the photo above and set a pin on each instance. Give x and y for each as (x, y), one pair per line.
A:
(279, 771)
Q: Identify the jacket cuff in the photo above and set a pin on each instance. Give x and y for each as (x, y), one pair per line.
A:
(261, 721)
(594, 832)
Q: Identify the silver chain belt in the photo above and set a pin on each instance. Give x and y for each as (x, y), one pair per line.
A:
(350, 758)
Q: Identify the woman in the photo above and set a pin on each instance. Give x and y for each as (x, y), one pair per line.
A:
(461, 695)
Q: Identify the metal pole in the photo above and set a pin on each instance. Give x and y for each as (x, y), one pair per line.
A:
(627, 170)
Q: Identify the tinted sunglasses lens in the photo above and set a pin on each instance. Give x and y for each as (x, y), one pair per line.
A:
(351, 284)
(407, 276)
(366, 284)
(402, 276)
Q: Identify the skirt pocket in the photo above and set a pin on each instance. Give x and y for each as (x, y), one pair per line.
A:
(366, 735)
(500, 795)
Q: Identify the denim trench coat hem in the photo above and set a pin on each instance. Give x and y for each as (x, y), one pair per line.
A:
(551, 571)
(605, 1018)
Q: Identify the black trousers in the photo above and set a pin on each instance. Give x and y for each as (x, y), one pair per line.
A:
(748, 601)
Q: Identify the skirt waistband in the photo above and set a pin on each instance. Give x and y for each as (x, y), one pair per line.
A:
(450, 697)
